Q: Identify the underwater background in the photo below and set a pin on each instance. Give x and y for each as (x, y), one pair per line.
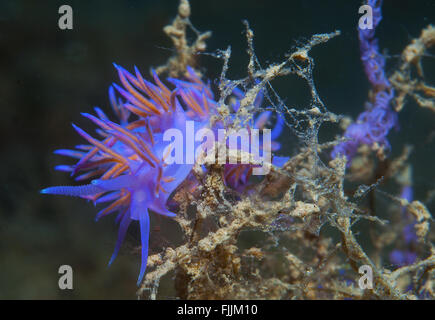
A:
(49, 76)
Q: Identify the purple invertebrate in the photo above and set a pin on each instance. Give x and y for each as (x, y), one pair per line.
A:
(372, 126)
(127, 165)
(406, 256)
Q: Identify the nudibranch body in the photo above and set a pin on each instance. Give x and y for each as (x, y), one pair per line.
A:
(373, 125)
(127, 166)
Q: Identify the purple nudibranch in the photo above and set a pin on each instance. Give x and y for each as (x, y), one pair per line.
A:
(126, 166)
